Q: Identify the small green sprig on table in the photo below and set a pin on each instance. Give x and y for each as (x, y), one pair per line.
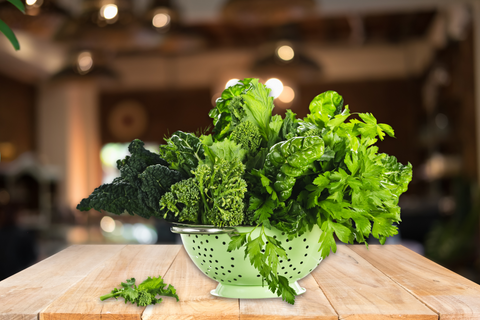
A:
(143, 295)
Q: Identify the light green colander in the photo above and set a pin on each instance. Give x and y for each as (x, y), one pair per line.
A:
(207, 247)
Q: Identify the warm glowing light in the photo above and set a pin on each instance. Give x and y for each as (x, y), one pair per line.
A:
(287, 95)
(231, 83)
(285, 53)
(107, 224)
(30, 2)
(161, 20)
(276, 87)
(85, 62)
(109, 11)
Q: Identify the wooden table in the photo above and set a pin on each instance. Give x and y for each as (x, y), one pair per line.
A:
(384, 282)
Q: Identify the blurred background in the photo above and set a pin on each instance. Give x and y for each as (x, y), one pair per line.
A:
(92, 75)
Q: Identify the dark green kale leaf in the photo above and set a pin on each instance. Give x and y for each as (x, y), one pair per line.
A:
(145, 294)
(145, 177)
(156, 181)
(117, 197)
(137, 162)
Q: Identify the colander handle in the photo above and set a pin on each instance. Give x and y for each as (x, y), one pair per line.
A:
(201, 230)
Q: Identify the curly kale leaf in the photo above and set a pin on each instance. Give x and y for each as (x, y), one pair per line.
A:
(145, 294)
(117, 197)
(183, 151)
(145, 177)
(137, 162)
(183, 201)
(155, 182)
(222, 190)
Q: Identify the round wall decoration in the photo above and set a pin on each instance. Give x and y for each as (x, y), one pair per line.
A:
(128, 120)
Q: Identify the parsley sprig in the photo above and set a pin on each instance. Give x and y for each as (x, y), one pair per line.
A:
(143, 295)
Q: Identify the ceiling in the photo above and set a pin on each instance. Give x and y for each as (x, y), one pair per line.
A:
(63, 28)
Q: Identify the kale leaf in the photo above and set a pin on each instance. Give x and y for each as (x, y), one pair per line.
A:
(144, 179)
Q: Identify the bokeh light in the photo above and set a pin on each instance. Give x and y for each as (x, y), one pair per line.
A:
(144, 234)
(287, 95)
(285, 53)
(276, 86)
(107, 224)
(84, 62)
(231, 83)
(161, 20)
(109, 11)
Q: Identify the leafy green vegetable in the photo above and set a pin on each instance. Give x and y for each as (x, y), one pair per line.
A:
(184, 201)
(325, 106)
(247, 101)
(248, 136)
(261, 170)
(116, 197)
(289, 160)
(145, 294)
(144, 178)
(222, 190)
(183, 151)
(228, 110)
(226, 149)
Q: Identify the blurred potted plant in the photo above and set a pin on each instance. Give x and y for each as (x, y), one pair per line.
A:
(5, 29)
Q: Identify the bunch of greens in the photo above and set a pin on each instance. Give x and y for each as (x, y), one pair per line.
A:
(266, 171)
(143, 295)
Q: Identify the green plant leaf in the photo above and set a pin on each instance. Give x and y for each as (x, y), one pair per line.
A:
(18, 4)
(9, 34)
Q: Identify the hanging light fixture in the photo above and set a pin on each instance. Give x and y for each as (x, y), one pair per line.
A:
(285, 60)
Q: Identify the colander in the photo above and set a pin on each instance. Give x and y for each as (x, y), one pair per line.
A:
(207, 247)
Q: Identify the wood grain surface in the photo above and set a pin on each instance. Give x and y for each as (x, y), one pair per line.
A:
(193, 289)
(357, 290)
(311, 305)
(384, 282)
(25, 294)
(133, 261)
(444, 291)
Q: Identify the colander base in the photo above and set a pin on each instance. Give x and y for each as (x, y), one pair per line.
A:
(250, 292)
